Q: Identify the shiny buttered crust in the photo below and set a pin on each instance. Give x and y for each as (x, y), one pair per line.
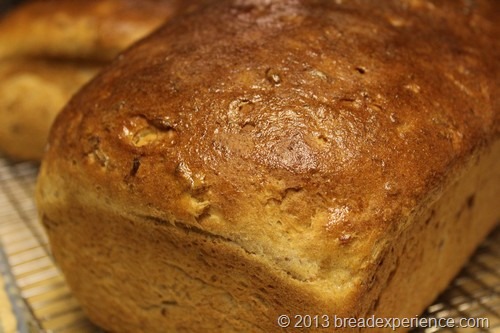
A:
(279, 157)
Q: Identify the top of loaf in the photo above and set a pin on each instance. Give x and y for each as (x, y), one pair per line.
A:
(304, 132)
(93, 29)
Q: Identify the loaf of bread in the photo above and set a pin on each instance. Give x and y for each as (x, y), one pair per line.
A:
(32, 91)
(49, 49)
(260, 158)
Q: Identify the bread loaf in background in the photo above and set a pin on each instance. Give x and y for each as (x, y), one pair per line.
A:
(49, 49)
(259, 158)
(32, 91)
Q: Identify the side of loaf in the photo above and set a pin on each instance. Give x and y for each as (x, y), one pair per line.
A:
(259, 158)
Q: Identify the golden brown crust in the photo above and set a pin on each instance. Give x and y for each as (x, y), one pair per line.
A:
(80, 29)
(308, 134)
(49, 37)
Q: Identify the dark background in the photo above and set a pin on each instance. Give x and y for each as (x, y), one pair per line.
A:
(5, 4)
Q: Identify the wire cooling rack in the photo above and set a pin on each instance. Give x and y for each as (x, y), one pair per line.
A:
(38, 300)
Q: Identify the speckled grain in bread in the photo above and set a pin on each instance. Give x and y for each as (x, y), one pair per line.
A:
(278, 157)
